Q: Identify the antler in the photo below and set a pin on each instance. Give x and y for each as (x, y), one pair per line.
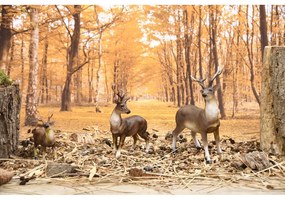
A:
(219, 71)
(50, 117)
(200, 81)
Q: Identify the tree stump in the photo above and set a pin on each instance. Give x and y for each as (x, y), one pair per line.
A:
(9, 119)
(272, 108)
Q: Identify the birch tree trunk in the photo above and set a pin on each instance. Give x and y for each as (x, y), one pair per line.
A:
(32, 92)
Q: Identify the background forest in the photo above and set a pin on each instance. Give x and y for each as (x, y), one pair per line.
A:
(74, 54)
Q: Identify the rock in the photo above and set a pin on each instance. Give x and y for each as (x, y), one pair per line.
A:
(107, 141)
(5, 176)
(155, 136)
(148, 168)
(82, 138)
(238, 164)
(56, 169)
(168, 136)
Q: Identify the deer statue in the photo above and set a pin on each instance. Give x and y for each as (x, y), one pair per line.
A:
(44, 136)
(130, 126)
(199, 120)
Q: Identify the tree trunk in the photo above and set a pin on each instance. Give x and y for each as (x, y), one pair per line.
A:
(9, 67)
(5, 35)
(249, 46)
(72, 56)
(263, 28)
(188, 41)
(272, 110)
(199, 43)
(32, 92)
(90, 82)
(215, 55)
(9, 119)
(44, 80)
(22, 64)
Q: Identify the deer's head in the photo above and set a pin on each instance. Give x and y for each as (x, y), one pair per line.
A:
(121, 101)
(208, 92)
(46, 124)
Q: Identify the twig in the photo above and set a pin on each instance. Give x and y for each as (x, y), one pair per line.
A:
(278, 164)
(174, 169)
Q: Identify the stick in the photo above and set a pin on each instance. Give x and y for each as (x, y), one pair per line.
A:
(278, 164)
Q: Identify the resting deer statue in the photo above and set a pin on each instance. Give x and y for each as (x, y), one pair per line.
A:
(128, 127)
(199, 120)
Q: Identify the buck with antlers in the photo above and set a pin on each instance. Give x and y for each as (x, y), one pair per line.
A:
(128, 127)
(199, 120)
(44, 136)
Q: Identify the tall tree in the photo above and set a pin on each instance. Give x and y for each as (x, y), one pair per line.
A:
(250, 53)
(188, 41)
(72, 66)
(5, 34)
(44, 78)
(32, 92)
(263, 28)
(213, 18)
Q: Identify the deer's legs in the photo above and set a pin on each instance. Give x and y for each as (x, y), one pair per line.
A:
(115, 142)
(197, 143)
(205, 145)
(44, 153)
(217, 139)
(145, 136)
(135, 140)
(175, 133)
(35, 152)
(54, 152)
(121, 143)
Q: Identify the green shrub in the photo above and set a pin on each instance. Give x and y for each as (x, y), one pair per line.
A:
(4, 79)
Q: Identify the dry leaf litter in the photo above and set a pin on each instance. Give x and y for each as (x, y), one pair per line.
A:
(89, 157)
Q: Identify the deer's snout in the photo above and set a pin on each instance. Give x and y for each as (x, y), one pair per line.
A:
(128, 111)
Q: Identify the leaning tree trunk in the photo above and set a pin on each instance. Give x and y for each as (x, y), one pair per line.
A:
(9, 119)
(272, 110)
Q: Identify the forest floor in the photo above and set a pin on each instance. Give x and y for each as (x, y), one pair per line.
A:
(161, 172)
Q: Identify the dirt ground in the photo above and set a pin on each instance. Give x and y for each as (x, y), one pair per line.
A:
(160, 116)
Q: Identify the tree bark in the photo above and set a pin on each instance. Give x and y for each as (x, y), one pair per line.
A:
(44, 79)
(72, 56)
(272, 110)
(9, 119)
(215, 55)
(188, 41)
(32, 92)
(5, 35)
(263, 28)
(249, 46)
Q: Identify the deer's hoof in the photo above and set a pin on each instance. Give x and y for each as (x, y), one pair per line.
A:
(198, 148)
(209, 162)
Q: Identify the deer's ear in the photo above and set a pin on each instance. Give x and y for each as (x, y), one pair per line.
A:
(216, 87)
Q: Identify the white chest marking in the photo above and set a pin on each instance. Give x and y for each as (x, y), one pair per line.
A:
(115, 120)
(212, 111)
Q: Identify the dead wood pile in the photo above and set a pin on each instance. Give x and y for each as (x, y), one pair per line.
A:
(241, 162)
